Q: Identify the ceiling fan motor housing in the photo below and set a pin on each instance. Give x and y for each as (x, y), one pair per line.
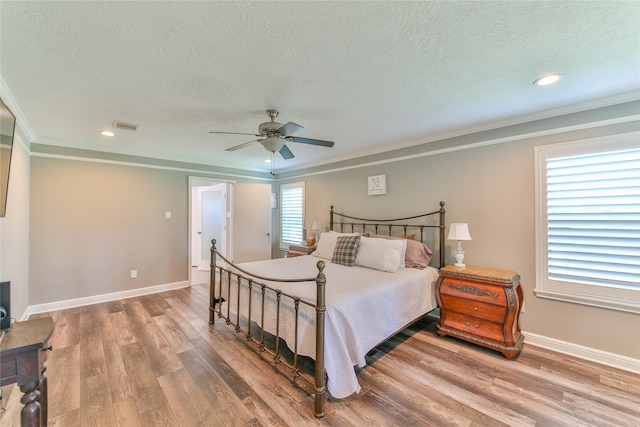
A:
(269, 128)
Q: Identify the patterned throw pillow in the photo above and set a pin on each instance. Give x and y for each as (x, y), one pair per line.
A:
(346, 250)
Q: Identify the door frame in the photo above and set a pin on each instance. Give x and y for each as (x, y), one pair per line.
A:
(202, 247)
(199, 181)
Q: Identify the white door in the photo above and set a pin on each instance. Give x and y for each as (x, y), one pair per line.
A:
(251, 216)
(213, 222)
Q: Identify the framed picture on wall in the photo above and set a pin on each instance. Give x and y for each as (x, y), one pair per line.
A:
(377, 185)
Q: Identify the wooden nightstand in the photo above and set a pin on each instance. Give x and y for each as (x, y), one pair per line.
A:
(481, 305)
(298, 250)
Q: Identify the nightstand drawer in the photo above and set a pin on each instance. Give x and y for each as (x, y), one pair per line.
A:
(475, 326)
(490, 312)
(473, 291)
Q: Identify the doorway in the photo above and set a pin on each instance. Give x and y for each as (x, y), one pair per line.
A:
(237, 215)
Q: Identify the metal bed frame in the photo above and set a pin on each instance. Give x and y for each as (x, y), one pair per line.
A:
(249, 282)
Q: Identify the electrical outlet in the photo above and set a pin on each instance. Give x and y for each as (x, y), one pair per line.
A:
(167, 214)
(134, 274)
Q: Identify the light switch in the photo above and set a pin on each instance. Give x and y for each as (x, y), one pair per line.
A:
(167, 215)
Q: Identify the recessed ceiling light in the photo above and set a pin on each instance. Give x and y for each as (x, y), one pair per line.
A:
(107, 133)
(547, 80)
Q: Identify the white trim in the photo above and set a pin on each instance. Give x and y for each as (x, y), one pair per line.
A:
(581, 352)
(587, 353)
(490, 126)
(488, 142)
(302, 174)
(11, 102)
(95, 299)
(146, 165)
(284, 246)
(601, 301)
(615, 298)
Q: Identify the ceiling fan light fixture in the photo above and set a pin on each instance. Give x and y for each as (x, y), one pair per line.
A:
(273, 143)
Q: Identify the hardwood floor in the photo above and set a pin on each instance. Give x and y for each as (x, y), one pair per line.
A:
(155, 360)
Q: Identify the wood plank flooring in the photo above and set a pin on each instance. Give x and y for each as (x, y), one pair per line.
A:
(155, 361)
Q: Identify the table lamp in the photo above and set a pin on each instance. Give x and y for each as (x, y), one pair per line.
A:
(316, 225)
(459, 231)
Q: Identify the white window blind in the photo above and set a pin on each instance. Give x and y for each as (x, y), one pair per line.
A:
(291, 213)
(588, 221)
(593, 209)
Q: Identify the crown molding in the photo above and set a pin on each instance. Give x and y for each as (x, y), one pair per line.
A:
(21, 120)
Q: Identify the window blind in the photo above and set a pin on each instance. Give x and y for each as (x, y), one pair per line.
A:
(292, 213)
(593, 214)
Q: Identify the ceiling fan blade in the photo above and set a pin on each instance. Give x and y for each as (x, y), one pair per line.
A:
(237, 147)
(289, 128)
(235, 133)
(312, 141)
(286, 153)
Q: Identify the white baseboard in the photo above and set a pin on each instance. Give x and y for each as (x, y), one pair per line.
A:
(609, 359)
(95, 299)
(594, 355)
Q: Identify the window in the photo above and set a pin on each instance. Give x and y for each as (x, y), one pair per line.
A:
(291, 214)
(588, 222)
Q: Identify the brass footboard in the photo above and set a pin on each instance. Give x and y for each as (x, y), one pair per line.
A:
(250, 282)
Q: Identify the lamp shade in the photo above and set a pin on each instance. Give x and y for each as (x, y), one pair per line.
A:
(316, 224)
(459, 231)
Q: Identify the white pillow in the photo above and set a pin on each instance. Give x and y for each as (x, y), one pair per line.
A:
(327, 244)
(403, 252)
(405, 243)
(380, 254)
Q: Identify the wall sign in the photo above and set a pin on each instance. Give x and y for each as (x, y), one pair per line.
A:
(377, 185)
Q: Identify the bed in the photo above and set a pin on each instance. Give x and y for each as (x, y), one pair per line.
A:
(367, 280)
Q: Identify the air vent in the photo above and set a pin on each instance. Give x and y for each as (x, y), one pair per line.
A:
(125, 126)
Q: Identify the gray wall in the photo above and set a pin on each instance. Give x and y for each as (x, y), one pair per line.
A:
(491, 188)
(92, 222)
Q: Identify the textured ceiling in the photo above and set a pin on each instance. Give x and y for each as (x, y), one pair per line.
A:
(369, 76)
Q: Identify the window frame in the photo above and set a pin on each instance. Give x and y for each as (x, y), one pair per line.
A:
(614, 298)
(284, 246)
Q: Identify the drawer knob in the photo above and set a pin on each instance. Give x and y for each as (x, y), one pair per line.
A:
(475, 308)
(477, 326)
(467, 323)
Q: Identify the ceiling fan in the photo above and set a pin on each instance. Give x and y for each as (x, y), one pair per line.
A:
(274, 136)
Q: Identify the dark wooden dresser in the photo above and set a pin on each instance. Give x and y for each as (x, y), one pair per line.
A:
(22, 356)
(482, 306)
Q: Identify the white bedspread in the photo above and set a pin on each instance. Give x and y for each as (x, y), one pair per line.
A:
(364, 307)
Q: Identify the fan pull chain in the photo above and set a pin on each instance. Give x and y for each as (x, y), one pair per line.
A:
(273, 160)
